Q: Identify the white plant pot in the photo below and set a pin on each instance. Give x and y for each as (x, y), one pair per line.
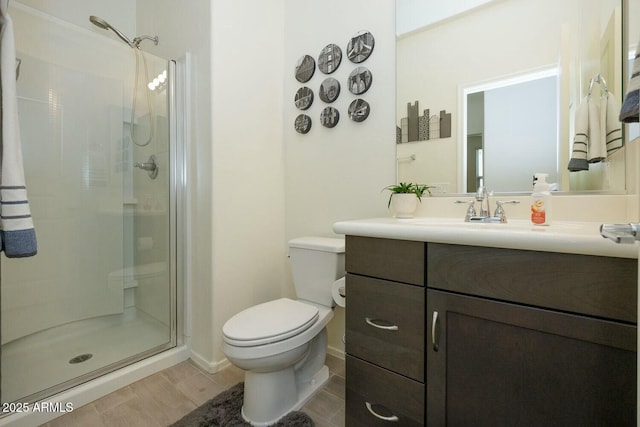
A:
(404, 205)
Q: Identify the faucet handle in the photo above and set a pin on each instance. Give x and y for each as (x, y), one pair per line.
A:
(471, 210)
(500, 210)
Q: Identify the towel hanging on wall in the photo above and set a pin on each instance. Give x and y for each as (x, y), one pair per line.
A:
(630, 107)
(578, 160)
(18, 237)
(598, 133)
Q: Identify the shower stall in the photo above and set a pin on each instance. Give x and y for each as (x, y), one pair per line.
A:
(98, 128)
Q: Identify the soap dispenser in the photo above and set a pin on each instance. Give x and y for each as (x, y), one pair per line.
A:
(541, 200)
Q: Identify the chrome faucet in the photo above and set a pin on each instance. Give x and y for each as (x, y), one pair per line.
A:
(482, 196)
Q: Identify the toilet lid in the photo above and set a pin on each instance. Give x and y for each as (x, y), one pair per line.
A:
(269, 322)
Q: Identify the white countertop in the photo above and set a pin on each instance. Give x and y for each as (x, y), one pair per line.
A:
(561, 236)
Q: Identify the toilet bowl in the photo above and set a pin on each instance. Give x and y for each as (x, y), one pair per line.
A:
(282, 344)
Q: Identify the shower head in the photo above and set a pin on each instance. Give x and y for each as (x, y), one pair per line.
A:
(99, 22)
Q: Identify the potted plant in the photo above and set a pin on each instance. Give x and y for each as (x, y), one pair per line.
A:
(405, 196)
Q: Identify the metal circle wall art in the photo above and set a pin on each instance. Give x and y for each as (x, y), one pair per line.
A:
(305, 68)
(330, 58)
(359, 110)
(302, 124)
(360, 47)
(329, 117)
(360, 80)
(304, 98)
(329, 90)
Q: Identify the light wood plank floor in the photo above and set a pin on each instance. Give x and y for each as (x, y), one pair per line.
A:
(163, 398)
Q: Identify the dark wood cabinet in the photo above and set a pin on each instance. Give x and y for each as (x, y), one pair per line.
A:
(530, 338)
(379, 397)
(476, 336)
(492, 363)
(385, 332)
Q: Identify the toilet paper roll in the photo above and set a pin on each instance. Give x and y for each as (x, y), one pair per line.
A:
(338, 292)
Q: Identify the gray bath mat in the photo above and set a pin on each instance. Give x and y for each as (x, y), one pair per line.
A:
(224, 411)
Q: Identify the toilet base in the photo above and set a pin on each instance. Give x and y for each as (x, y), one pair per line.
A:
(259, 400)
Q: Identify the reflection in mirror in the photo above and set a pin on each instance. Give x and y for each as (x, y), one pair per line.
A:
(502, 117)
(478, 45)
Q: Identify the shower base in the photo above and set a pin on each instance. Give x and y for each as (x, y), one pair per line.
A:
(54, 356)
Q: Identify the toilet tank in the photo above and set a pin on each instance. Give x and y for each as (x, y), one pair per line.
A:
(316, 262)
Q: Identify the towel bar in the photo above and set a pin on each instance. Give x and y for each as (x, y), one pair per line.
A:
(598, 79)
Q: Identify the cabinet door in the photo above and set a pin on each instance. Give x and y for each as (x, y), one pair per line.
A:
(498, 364)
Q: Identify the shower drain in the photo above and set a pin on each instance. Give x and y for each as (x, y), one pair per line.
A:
(81, 358)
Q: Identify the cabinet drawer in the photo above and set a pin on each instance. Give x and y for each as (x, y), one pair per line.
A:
(398, 260)
(387, 393)
(585, 284)
(385, 324)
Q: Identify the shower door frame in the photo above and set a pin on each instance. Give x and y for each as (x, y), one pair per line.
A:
(176, 212)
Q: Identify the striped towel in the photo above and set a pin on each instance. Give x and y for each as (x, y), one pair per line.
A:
(631, 105)
(598, 132)
(578, 161)
(16, 226)
(611, 128)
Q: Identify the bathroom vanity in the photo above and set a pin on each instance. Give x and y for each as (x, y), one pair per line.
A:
(465, 334)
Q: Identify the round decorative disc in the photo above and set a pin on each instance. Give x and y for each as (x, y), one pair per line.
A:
(302, 124)
(360, 80)
(329, 90)
(360, 47)
(304, 98)
(330, 58)
(329, 117)
(305, 68)
(359, 110)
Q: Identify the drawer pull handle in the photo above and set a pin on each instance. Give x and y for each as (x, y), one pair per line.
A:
(370, 322)
(392, 418)
(434, 340)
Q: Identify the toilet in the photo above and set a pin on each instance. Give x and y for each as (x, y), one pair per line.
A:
(282, 344)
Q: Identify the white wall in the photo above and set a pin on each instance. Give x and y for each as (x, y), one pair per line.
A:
(414, 14)
(336, 174)
(247, 161)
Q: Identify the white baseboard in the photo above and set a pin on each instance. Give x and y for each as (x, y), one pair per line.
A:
(208, 366)
(335, 352)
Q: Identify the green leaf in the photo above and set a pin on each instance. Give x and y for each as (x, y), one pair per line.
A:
(407, 187)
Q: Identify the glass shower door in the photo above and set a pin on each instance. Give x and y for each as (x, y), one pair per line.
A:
(100, 293)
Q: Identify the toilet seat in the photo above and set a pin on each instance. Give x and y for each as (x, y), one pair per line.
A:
(269, 322)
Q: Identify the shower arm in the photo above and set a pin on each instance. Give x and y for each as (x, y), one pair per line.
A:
(139, 40)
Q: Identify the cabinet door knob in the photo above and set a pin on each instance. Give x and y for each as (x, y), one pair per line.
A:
(392, 418)
(370, 322)
(434, 339)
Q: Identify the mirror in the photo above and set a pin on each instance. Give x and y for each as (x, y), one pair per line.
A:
(486, 63)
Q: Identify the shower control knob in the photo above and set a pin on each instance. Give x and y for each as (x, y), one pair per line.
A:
(150, 166)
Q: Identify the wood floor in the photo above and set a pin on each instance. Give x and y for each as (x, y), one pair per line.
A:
(163, 398)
